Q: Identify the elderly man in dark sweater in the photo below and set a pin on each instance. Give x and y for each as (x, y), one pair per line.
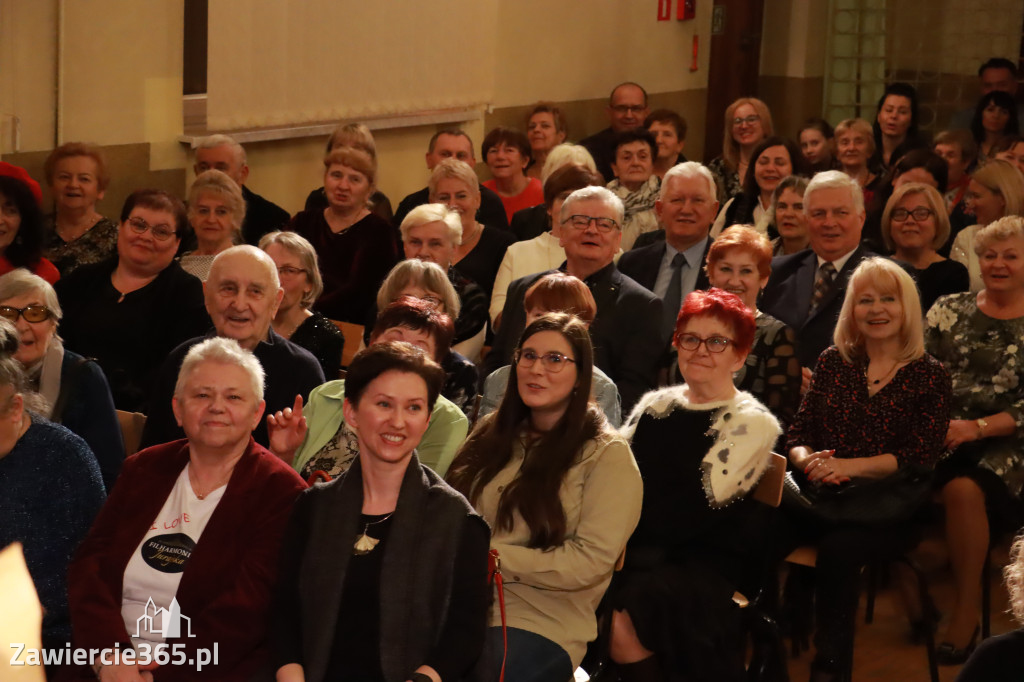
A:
(242, 294)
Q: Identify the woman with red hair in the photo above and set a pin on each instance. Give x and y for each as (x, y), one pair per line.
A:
(701, 448)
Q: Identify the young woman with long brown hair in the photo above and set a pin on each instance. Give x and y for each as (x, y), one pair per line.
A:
(562, 494)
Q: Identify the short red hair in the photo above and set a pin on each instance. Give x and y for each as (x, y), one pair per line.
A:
(746, 238)
(725, 307)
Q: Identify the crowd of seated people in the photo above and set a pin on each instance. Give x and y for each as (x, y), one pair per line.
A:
(566, 364)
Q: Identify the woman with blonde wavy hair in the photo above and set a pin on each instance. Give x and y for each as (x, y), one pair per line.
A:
(876, 410)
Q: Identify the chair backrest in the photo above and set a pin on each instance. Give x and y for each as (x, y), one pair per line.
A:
(769, 488)
(131, 424)
(353, 334)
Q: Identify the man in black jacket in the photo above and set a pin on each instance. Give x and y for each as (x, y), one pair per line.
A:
(627, 109)
(625, 332)
(222, 153)
(453, 143)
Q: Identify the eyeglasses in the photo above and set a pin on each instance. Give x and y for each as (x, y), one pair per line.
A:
(581, 222)
(714, 344)
(552, 362)
(289, 271)
(628, 109)
(920, 213)
(31, 313)
(749, 120)
(161, 232)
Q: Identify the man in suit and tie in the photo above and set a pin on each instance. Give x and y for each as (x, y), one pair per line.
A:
(625, 332)
(674, 266)
(806, 289)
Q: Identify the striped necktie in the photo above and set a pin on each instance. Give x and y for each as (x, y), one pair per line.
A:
(822, 285)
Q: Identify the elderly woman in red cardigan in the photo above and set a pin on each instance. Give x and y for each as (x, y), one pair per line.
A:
(189, 536)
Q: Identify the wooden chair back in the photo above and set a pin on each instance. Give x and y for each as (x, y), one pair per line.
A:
(131, 424)
(769, 488)
(353, 334)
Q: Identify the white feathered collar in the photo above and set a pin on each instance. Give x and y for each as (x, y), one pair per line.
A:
(744, 430)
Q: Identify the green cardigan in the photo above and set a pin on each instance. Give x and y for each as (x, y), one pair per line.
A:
(445, 433)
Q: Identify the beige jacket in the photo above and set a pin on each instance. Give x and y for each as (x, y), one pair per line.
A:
(555, 593)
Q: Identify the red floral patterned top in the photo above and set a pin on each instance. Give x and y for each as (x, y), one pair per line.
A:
(907, 418)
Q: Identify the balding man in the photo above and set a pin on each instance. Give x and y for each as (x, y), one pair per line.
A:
(627, 109)
(222, 153)
(625, 332)
(242, 294)
(806, 289)
(453, 143)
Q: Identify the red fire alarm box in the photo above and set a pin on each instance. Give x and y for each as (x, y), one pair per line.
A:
(687, 10)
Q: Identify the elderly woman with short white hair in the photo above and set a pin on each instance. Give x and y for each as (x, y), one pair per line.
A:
(74, 388)
(216, 211)
(299, 273)
(433, 232)
(196, 525)
(479, 253)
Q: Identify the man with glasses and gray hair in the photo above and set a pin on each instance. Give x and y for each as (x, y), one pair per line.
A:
(626, 331)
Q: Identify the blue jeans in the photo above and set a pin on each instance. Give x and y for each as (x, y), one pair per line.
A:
(531, 658)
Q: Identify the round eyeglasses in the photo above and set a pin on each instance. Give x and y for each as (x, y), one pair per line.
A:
(552, 362)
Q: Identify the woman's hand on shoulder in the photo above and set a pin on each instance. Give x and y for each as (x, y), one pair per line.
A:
(961, 431)
(287, 429)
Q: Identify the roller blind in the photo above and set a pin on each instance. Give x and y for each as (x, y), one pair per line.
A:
(281, 62)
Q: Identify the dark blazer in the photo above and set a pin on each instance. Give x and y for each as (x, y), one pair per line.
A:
(86, 407)
(226, 586)
(788, 296)
(642, 265)
(261, 217)
(648, 238)
(530, 222)
(626, 332)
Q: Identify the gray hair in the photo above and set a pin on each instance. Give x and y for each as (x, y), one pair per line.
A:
(13, 374)
(219, 140)
(219, 184)
(300, 247)
(564, 154)
(1007, 227)
(223, 351)
(426, 274)
(433, 213)
(690, 170)
(834, 179)
(602, 194)
(19, 282)
(254, 253)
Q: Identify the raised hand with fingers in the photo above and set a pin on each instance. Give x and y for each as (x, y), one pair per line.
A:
(287, 429)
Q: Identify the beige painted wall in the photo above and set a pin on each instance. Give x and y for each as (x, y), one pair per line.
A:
(27, 75)
(121, 84)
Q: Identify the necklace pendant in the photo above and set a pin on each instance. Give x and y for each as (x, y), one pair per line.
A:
(364, 544)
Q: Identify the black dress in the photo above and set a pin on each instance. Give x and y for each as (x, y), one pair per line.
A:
(939, 279)
(353, 262)
(685, 559)
(324, 340)
(482, 263)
